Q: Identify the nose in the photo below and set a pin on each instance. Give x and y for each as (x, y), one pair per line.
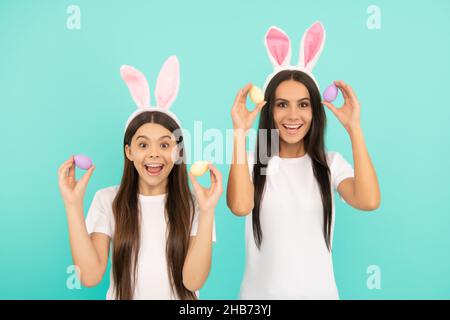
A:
(293, 113)
(153, 153)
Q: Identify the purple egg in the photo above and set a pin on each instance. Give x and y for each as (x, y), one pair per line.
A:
(82, 161)
(330, 93)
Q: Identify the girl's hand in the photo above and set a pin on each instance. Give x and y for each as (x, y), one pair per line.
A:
(349, 113)
(208, 198)
(72, 191)
(241, 116)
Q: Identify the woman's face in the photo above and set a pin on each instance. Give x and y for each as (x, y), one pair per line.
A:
(152, 152)
(292, 112)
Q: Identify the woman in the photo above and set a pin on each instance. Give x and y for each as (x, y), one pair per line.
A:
(287, 196)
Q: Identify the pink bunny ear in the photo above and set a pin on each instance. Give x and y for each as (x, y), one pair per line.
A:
(138, 85)
(168, 83)
(278, 47)
(312, 45)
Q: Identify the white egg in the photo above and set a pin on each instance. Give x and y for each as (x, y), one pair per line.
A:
(256, 95)
(199, 168)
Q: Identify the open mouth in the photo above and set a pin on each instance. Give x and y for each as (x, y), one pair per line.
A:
(292, 128)
(154, 169)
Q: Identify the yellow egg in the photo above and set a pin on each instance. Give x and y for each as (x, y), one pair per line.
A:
(199, 168)
(256, 95)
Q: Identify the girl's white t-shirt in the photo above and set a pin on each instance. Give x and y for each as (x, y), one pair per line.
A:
(152, 278)
(293, 261)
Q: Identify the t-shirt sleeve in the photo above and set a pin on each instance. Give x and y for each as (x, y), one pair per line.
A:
(99, 215)
(196, 222)
(340, 169)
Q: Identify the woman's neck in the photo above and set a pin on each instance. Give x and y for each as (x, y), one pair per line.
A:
(292, 150)
(147, 190)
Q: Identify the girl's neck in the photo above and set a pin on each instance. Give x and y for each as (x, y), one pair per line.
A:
(147, 190)
(292, 150)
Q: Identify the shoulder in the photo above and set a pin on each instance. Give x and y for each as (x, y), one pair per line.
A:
(340, 169)
(332, 156)
(335, 159)
(106, 194)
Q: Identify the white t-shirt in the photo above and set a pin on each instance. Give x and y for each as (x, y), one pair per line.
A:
(152, 278)
(293, 261)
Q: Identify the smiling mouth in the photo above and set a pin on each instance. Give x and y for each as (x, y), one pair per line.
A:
(154, 169)
(292, 128)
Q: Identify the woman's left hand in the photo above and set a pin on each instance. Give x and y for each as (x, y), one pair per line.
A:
(349, 113)
(208, 198)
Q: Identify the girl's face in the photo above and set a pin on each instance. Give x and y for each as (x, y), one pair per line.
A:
(292, 112)
(151, 151)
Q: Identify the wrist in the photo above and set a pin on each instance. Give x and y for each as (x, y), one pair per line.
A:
(355, 129)
(73, 208)
(239, 131)
(207, 213)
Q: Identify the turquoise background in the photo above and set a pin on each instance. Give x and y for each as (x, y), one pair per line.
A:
(61, 94)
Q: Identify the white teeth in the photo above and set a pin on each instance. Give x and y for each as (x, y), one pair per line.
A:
(154, 165)
(292, 126)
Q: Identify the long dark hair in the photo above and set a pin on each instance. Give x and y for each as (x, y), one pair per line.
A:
(179, 208)
(314, 146)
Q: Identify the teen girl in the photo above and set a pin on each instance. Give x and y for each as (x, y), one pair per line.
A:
(161, 235)
(288, 200)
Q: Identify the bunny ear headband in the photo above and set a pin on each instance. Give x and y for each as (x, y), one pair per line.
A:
(278, 47)
(165, 92)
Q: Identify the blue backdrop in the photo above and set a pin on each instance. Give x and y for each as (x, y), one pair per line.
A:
(61, 94)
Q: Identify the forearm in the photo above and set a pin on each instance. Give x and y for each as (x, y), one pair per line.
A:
(198, 260)
(84, 255)
(366, 188)
(240, 187)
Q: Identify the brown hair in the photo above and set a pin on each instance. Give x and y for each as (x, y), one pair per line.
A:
(179, 208)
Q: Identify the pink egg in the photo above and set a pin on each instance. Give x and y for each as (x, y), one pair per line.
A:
(330, 93)
(82, 161)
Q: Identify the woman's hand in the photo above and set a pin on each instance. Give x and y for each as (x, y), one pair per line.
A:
(241, 116)
(349, 113)
(72, 191)
(208, 198)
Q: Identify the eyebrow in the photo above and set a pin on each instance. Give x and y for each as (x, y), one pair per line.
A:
(284, 100)
(145, 137)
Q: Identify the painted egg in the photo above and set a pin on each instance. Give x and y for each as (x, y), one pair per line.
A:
(82, 161)
(256, 95)
(330, 93)
(199, 168)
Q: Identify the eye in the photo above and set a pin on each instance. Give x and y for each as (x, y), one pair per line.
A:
(282, 105)
(304, 104)
(165, 145)
(142, 145)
